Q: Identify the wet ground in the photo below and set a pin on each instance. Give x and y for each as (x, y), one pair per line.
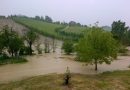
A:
(56, 63)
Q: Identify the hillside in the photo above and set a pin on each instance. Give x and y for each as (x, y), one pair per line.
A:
(58, 31)
(20, 29)
(52, 30)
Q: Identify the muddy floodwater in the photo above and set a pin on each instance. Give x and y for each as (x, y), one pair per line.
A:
(55, 63)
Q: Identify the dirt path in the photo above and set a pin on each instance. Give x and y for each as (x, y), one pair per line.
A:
(55, 63)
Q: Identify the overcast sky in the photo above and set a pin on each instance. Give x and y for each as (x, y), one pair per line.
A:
(83, 11)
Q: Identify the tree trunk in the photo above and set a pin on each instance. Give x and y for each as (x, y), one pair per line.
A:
(30, 47)
(96, 65)
(12, 53)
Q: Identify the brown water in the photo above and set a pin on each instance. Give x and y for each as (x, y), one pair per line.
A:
(55, 63)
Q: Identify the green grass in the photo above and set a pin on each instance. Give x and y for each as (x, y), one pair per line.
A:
(74, 29)
(50, 29)
(118, 80)
(40, 26)
(13, 60)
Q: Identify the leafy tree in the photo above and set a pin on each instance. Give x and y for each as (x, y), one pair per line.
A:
(128, 36)
(68, 47)
(42, 18)
(30, 37)
(119, 30)
(15, 44)
(37, 18)
(1, 44)
(97, 46)
(48, 19)
(10, 40)
(5, 34)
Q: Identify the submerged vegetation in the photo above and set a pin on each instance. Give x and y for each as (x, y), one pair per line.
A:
(11, 60)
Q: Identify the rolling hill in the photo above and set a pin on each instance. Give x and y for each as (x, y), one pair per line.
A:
(51, 30)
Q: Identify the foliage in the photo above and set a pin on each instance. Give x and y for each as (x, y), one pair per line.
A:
(1, 44)
(15, 44)
(10, 40)
(30, 37)
(128, 36)
(48, 19)
(68, 47)
(3, 56)
(97, 46)
(25, 50)
(119, 30)
(12, 60)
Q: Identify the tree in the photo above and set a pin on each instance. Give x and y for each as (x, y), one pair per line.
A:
(48, 19)
(97, 46)
(54, 44)
(68, 47)
(128, 37)
(10, 40)
(5, 33)
(47, 45)
(119, 30)
(1, 44)
(15, 44)
(30, 37)
(37, 18)
(42, 18)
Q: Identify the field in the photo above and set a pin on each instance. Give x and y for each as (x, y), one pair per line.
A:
(118, 80)
(51, 30)
(43, 27)
(74, 29)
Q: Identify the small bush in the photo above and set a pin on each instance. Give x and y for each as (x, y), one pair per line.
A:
(24, 51)
(3, 56)
(68, 47)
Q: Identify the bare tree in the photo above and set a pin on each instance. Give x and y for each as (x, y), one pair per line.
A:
(47, 46)
(54, 44)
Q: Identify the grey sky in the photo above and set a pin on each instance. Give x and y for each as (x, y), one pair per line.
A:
(83, 11)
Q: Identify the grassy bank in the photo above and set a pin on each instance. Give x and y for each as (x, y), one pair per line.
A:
(118, 80)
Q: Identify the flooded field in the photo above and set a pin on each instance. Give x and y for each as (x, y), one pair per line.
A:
(55, 63)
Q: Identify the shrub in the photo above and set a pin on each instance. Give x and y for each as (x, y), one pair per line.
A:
(68, 47)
